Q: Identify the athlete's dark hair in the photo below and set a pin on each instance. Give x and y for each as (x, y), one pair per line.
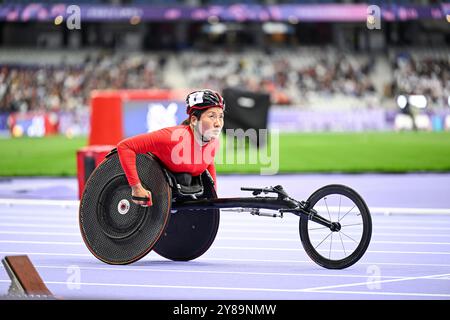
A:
(196, 113)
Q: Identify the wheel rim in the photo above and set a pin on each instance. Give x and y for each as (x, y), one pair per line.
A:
(337, 245)
(342, 248)
(114, 229)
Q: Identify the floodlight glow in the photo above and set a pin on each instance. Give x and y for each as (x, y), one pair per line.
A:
(213, 19)
(419, 101)
(402, 101)
(135, 20)
(293, 20)
(218, 28)
(274, 27)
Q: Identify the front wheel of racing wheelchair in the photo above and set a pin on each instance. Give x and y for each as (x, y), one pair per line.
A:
(349, 213)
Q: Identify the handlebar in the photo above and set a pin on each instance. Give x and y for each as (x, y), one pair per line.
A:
(277, 189)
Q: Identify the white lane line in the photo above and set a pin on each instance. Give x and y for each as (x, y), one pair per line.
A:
(218, 238)
(214, 247)
(278, 224)
(296, 232)
(72, 243)
(286, 222)
(390, 227)
(311, 262)
(345, 241)
(387, 293)
(37, 233)
(293, 218)
(388, 210)
(218, 247)
(274, 226)
(144, 269)
(374, 210)
(269, 228)
(56, 243)
(240, 221)
(426, 218)
(52, 233)
(38, 218)
(232, 259)
(300, 249)
(376, 282)
(47, 254)
(128, 285)
(442, 278)
(34, 225)
(39, 202)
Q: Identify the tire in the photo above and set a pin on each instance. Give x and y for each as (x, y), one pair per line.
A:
(189, 234)
(307, 233)
(123, 237)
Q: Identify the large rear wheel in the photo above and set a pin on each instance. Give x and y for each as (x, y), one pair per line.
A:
(114, 229)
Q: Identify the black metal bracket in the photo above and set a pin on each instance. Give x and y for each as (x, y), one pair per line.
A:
(278, 189)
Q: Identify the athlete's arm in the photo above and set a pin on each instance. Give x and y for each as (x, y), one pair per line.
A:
(127, 150)
(212, 171)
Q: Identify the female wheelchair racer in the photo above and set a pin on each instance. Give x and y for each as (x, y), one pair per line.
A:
(173, 207)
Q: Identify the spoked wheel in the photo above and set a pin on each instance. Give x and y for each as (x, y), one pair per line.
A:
(345, 245)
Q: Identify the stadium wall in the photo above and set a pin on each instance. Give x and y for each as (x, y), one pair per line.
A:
(118, 114)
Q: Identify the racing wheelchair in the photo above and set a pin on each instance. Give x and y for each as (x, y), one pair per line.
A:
(183, 221)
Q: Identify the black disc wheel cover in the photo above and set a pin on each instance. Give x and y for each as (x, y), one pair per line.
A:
(114, 229)
(189, 234)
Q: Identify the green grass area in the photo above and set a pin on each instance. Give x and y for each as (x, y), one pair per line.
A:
(297, 152)
(51, 156)
(358, 152)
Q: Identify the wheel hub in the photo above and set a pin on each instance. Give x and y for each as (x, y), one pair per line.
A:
(124, 206)
(335, 227)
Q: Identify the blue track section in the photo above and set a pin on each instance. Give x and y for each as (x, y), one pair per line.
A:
(252, 257)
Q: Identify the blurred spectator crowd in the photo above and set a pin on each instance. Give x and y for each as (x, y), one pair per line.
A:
(290, 77)
(68, 86)
(298, 77)
(422, 75)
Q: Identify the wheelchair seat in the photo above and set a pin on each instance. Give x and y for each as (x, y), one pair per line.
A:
(184, 184)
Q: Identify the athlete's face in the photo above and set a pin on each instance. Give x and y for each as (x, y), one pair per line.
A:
(210, 124)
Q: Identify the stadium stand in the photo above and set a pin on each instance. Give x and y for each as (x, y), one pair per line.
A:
(307, 77)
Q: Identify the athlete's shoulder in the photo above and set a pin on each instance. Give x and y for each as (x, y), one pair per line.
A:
(179, 127)
(170, 134)
(170, 130)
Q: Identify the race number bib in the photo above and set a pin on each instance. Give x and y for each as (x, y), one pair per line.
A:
(196, 97)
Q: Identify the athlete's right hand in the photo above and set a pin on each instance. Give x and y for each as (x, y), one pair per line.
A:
(141, 196)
